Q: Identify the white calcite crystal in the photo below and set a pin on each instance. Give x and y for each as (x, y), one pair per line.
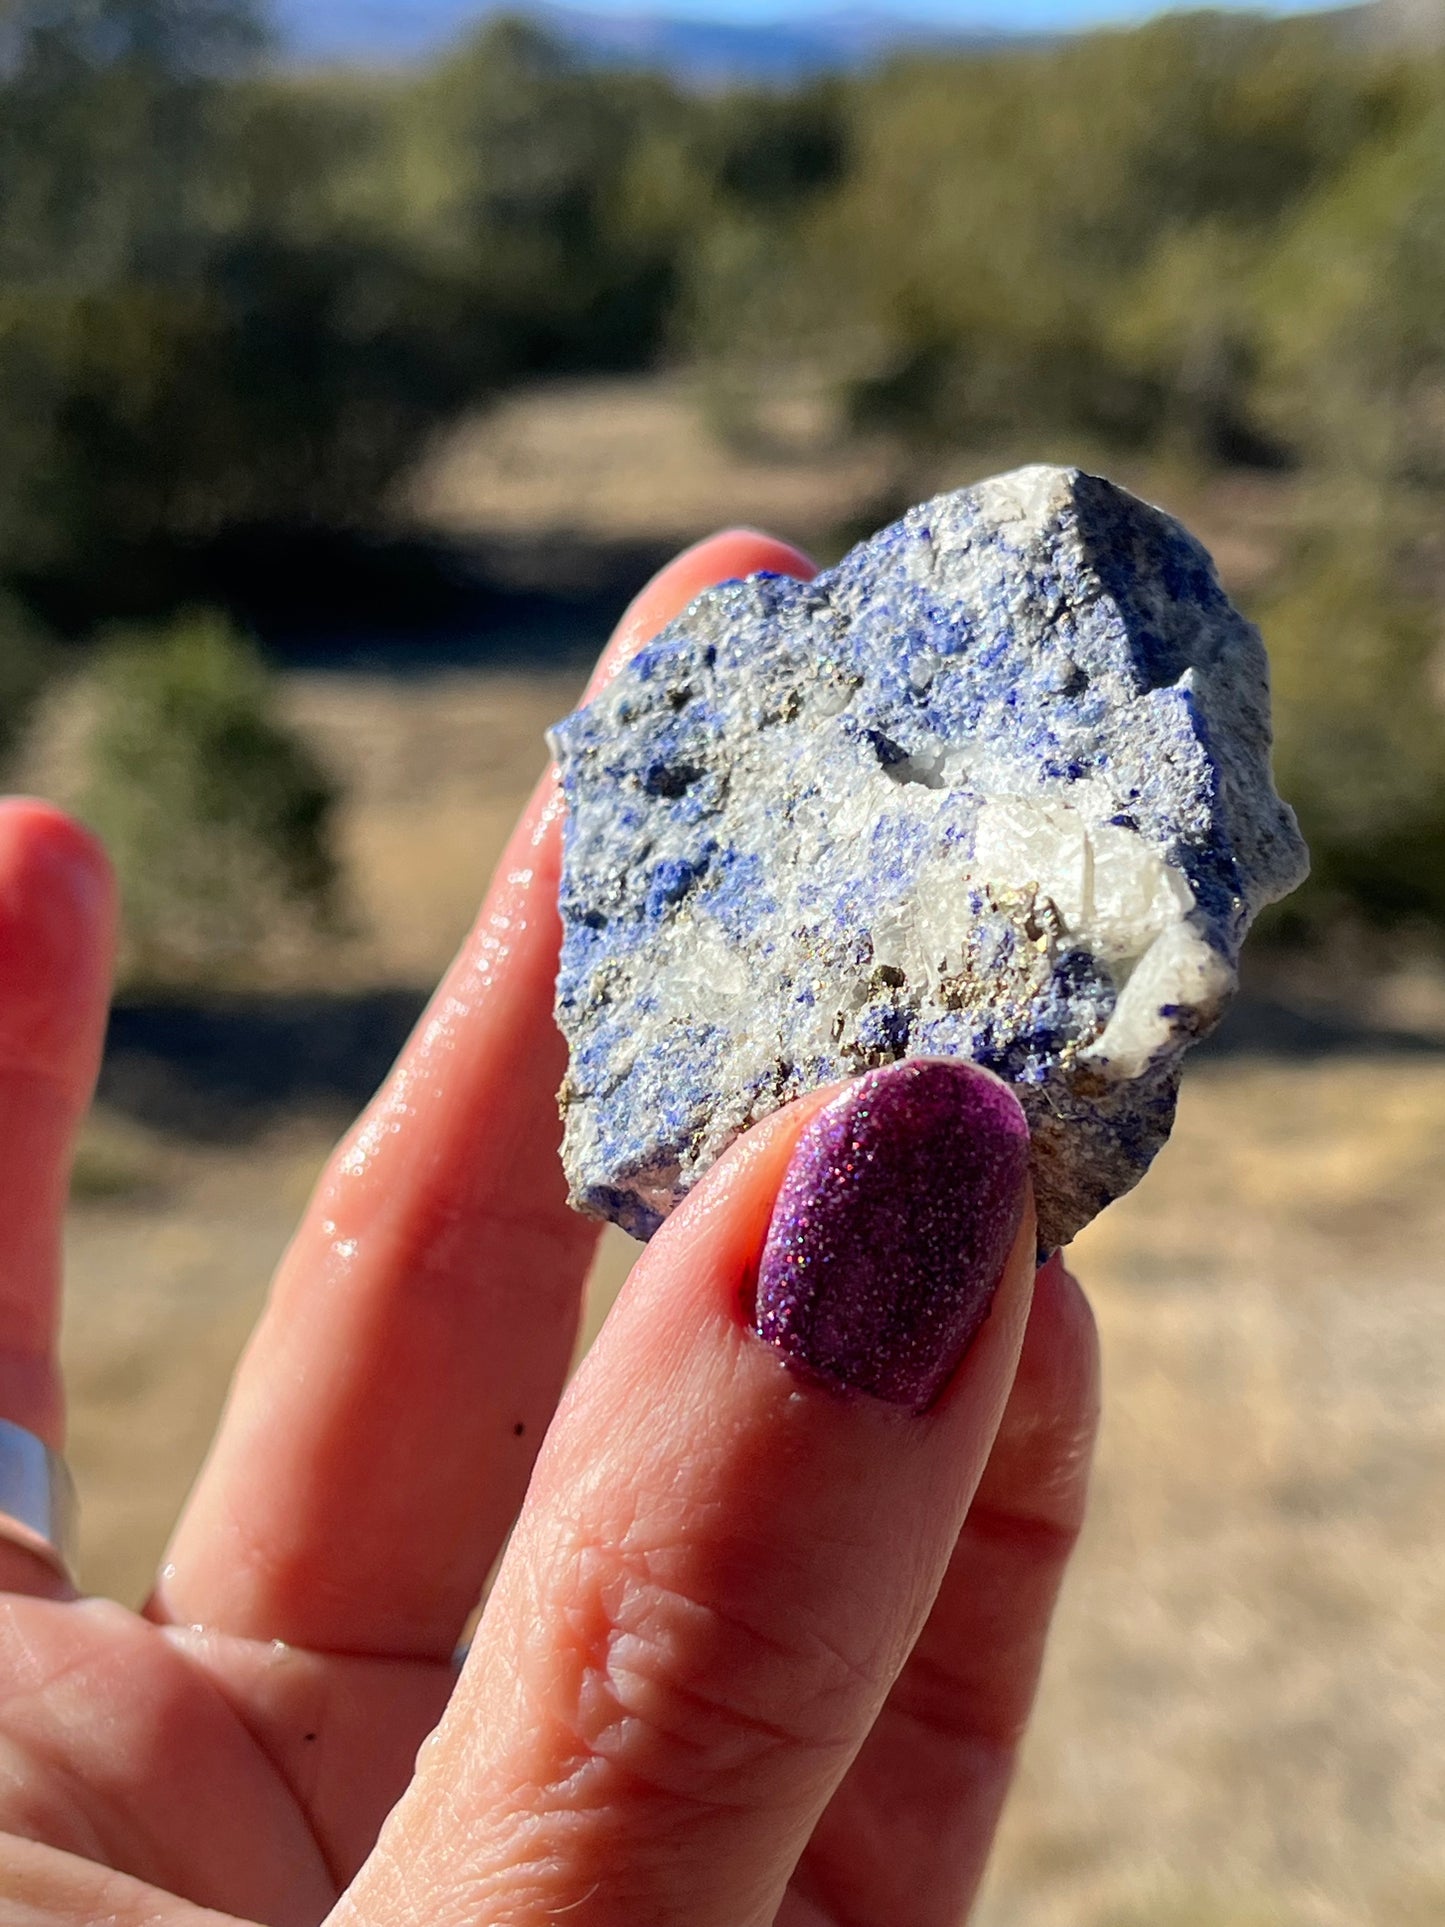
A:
(996, 786)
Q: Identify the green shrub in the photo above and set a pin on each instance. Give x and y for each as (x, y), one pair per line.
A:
(1360, 729)
(216, 815)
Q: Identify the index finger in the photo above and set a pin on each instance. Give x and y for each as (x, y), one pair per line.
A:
(383, 1422)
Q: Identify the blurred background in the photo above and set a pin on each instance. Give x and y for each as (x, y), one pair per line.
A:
(359, 361)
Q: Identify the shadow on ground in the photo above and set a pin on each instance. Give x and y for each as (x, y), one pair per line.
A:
(230, 1067)
(347, 600)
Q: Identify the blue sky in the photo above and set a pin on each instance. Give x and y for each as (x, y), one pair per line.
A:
(1018, 15)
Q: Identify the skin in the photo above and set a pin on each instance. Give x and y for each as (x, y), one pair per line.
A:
(756, 1653)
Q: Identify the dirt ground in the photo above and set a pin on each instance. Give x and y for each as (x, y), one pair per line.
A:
(634, 459)
(1243, 1720)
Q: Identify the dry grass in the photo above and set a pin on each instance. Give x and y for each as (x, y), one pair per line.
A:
(434, 772)
(628, 458)
(163, 1286)
(1242, 1717)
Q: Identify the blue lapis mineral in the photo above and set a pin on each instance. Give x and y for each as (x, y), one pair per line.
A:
(997, 786)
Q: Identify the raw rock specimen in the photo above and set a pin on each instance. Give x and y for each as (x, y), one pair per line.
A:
(997, 786)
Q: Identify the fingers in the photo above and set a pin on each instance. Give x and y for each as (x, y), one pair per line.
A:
(57, 939)
(727, 1553)
(383, 1424)
(908, 1833)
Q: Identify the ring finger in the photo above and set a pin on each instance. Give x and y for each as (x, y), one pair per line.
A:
(57, 935)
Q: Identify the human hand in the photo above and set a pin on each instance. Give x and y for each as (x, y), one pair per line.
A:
(759, 1650)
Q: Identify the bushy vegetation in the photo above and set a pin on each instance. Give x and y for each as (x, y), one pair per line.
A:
(1082, 240)
(1360, 724)
(229, 295)
(216, 816)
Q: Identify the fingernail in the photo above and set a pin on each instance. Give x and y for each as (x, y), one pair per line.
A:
(890, 1232)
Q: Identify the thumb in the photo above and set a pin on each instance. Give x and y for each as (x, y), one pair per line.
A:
(738, 1523)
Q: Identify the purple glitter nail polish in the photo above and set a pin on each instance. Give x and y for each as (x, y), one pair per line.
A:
(891, 1229)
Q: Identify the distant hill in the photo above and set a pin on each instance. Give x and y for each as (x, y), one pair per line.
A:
(708, 52)
(384, 32)
(717, 50)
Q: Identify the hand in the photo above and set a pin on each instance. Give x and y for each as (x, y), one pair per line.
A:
(759, 1650)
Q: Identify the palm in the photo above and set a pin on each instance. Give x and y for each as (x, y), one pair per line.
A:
(247, 1777)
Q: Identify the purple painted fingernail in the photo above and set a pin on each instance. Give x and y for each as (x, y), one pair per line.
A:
(891, 1229)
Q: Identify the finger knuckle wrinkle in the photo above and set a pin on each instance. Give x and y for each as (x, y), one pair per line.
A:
(1033, 1536)
(987, 1728)
(683, 1690)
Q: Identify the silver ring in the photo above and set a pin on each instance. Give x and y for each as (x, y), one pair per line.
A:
(37, 1498)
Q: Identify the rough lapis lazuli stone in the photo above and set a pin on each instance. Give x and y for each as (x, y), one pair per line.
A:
(997, 786)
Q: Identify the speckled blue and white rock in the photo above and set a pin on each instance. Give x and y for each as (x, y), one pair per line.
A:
(997, 786)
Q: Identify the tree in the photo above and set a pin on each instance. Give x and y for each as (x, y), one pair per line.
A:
(1353, 312)
(196, 327)
(530, 156)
